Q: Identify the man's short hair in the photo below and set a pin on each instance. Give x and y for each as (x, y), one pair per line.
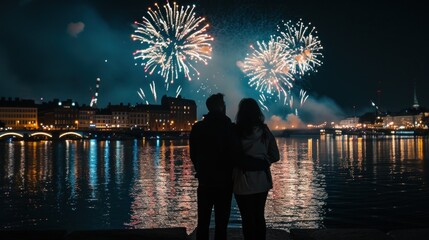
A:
(215, 103)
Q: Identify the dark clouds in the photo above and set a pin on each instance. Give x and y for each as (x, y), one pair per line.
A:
(48, 53)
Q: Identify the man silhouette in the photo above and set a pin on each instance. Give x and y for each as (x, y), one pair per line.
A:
(213, 145)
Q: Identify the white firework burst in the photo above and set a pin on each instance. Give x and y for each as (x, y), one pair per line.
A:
(304, 45)
(268, 68)
(174, 41)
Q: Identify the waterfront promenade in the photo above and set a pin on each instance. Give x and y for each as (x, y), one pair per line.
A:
(179, 233)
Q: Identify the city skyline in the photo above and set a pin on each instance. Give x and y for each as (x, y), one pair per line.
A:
(367, 47)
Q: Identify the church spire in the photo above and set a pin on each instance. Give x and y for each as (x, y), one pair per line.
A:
(416, 103)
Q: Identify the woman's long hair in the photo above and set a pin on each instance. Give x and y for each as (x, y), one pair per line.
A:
(249, 115)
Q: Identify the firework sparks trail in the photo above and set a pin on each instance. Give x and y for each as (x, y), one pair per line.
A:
(142, 96)
(261, 101)
(268, 68)
(178, 90)
(153, 90)
(305, 47)
(303, 95)
(174, 39)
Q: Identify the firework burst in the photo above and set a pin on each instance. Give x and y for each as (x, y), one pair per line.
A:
(174, 39)
(268, 68)
(276, 69)
(303, 44)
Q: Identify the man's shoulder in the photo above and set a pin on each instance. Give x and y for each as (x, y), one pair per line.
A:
(197, 123)
(199, 129)
(197, 126)
(225, 119)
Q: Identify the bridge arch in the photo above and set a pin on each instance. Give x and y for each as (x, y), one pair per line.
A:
(70, 133)
(41, 133)
(11, 134)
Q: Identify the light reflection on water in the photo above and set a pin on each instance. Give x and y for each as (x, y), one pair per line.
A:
(324, 181)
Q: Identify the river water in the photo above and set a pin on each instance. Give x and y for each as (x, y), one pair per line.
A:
(320, 182)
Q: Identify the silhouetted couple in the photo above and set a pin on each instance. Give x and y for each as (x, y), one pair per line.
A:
(232, 158)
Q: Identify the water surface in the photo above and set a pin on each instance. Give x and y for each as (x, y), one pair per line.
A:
(325, 181)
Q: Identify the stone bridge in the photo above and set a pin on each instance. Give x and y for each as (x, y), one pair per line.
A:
(40, 135)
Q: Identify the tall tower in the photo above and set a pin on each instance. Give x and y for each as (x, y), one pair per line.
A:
(94, 99)
(416, 103)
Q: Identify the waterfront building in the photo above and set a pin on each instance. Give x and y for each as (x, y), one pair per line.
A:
(414, 117)
(351, 122)
(18, 113)
(174, 114)
(407, 119)
(120, 115)
(103, 119)
(66, 115)
(410, 118)
(182, 112)
(46, 114)
(139, 117)
(59, 115)
(86, 118)
(158, 118)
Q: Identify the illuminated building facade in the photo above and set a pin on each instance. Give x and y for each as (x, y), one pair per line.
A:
(103, 119)
(119, 115)
(158, 118)
(18, 113)
(407, 119)
(59, 115)
(351, 122)
(86, 118)
(174, 114)
(139, 117)
(182, 112)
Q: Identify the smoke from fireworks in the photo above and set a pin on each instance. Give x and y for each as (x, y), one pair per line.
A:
(174, 41)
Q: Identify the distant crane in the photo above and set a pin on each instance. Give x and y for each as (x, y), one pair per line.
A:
(94, 98)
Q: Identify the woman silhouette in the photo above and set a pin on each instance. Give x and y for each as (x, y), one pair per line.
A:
(252, 175)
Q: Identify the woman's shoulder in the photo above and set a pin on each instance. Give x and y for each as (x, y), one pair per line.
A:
(265, 127)
(266, 131)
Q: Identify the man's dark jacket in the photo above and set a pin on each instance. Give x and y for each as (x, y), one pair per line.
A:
(213, 148)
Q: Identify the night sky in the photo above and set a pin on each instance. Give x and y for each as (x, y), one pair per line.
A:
(57, 49)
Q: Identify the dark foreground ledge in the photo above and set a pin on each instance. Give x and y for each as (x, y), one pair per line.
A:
(233, 234)
(112, 234)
